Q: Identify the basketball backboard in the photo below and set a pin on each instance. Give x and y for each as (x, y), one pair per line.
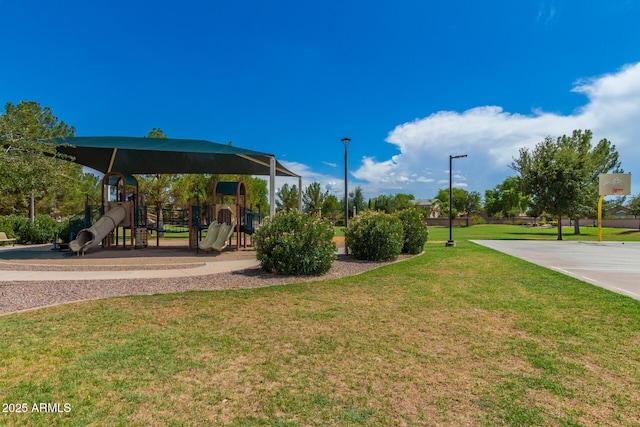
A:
(615, 184)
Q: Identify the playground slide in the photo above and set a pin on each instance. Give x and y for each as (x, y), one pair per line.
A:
(93, 235)
(224, 234)
(210, 238)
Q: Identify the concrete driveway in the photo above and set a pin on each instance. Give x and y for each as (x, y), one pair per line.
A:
(611, 265)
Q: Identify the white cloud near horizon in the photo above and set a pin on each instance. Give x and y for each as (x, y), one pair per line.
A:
(492, 138)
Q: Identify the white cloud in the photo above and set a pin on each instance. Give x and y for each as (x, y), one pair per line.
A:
(333, 165)
(492, 137)
(327, 182)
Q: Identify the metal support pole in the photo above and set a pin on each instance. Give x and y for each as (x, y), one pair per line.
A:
(272, 186)
(600, 200)
(345, 142)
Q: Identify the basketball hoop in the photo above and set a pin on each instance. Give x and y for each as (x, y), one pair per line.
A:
(612, 184)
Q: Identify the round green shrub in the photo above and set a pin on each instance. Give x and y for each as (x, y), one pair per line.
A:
(375, 236)
(415, 230)
(295, 244)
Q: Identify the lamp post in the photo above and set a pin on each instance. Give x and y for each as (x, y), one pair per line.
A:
(345, 142)
(450, 242)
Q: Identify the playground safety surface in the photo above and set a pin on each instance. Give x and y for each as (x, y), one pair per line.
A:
(171, 259)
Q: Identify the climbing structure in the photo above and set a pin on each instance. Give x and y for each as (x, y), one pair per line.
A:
(246, 219)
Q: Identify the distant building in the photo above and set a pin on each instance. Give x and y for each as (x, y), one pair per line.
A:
(618, 212)
(428, 205)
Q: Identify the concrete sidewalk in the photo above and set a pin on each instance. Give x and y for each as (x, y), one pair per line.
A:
(611, 265)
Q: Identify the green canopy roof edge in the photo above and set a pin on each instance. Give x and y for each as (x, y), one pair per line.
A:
(106, 147)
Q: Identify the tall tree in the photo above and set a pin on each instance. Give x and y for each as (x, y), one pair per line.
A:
(287, 198)
(382, 203)
(506, 199)
(473, 203)
(402, 201)
(156, 187)
(459, 203)
(356, 199)
(388, 204)
(561, 175)
(332, 208)
(602, 158)
(29, 161)
(313, 197)
(634, 206)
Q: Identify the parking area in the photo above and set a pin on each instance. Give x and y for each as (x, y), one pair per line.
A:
(611, 265)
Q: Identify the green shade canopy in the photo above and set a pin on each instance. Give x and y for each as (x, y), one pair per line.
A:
(133, 155)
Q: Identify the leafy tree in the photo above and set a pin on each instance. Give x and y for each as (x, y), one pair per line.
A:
(190, 188)
(258, 191)
(332, 208)
(356, 199)
(29, 161)
(460, 200)
(313, 198)
(156, 133)
(473, 203)
(402, 201)
(156, 187)
(70, 199)
(388, 204)
(506, 199)
(287, 198)
(382, 203)
(634, 206)
(561, 175)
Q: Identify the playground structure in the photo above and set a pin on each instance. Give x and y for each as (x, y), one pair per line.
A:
(219, 233)
(123, 207)
(222, 219)
(120, 208)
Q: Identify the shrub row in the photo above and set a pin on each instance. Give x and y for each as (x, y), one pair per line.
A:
(294, 243)
(41, 231)
(375, 236)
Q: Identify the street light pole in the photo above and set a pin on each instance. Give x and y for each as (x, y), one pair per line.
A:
(346, 142)
(450, 242)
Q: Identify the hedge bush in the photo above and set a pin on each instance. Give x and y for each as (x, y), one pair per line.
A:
(375, 236)
(414, 229)
(293, 243)
(41, 231)
(477, 220)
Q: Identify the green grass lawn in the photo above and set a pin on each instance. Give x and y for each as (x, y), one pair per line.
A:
(456, 336)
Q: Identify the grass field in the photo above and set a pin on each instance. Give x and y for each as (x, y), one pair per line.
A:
(456, 336)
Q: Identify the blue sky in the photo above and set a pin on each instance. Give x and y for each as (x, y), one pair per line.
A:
(410, 82)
